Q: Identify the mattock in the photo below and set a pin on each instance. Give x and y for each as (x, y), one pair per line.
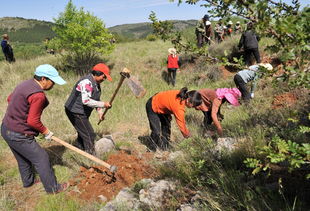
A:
(134, 86)
(112, 168)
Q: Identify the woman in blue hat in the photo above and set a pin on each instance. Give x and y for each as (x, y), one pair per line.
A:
(22, 123)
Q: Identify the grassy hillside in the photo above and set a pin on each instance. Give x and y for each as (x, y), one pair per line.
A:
(224, 184)
(26, 30)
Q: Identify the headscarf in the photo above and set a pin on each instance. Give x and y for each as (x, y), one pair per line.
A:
(230, 94)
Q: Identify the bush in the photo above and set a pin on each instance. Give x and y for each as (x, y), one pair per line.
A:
(151, 37)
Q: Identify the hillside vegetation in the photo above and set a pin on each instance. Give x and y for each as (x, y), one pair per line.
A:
(224, 183)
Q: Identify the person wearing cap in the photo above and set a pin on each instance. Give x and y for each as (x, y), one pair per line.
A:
(172, 65)
(253, 73)
(7, 49)
(85, 96)
(200, 31)
(212, 100)
(237, 28)
(22, 123)
(249, 42)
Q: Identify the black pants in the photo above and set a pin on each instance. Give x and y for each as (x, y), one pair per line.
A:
(86, 135)
(200, 39)
(29, 153)
(160, 125)
(241, 85)
(172, 73)
(248, 53)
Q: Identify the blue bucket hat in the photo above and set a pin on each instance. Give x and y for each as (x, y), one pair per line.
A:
(47, 70)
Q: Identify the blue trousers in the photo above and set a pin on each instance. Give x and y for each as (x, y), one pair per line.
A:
(29, 154)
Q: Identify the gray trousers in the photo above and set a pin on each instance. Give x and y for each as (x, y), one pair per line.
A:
(29, 154)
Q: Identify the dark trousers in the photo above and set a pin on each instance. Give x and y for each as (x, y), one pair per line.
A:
(241, 85)
(248, 53)
(160, 125)
(86, 135)
(172, 73)
(200, 39)
(29, 153)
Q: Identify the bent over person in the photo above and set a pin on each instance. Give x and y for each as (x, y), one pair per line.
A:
(212, 100)
(22, 122)
(159, 109)
(85, 96)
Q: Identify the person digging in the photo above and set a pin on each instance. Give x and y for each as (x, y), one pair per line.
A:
(212, 100)
(85, 97)
(250, 74)
(22, 123)
(159, 109)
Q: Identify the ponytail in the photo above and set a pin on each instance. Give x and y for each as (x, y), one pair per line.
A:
(183, 93)
(194, 96)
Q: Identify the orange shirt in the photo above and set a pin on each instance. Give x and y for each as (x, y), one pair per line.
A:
(167, 103)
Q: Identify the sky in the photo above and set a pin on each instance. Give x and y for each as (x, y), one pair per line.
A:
(112, 12)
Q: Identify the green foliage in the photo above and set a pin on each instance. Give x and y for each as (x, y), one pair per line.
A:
(151, 37)
(278, 151)
(82, 35)
(57, 202)
(285, 23)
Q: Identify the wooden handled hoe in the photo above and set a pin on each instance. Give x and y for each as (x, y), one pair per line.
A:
(113, 169)
(133, 84)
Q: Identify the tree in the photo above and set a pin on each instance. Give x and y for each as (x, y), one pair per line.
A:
(286, 23)
(82, 36)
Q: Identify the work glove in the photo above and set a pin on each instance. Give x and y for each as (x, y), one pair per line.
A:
(48, 136)
(252, 95)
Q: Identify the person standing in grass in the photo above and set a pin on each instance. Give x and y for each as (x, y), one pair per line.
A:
(22, 123)
(159, 109)
(245, 76)
(7, 49)
(85, 96)
(249, 42)
(200, 31)
(172, 65)
(212, 100)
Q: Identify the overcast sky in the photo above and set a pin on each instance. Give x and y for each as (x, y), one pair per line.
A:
(112, 12)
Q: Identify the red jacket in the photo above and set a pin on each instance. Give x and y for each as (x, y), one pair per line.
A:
(173, 61)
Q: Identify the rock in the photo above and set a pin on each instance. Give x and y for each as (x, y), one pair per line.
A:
(104, 145)
(227, 145)
(175, 155)
(156, 192)
(125, 200)
(186, 207)
(102, 198)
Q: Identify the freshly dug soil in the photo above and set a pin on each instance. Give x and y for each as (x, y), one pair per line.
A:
(284, 100)
(96, 181)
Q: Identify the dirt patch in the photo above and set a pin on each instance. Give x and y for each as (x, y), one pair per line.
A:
(284, 100)
(96, 181)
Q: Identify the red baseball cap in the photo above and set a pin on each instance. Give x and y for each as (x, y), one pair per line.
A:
(103, 68)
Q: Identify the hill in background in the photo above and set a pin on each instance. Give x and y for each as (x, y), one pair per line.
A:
(26, 30)
(35, 31)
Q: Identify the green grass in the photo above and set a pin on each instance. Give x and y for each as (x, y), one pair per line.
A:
(223, 183)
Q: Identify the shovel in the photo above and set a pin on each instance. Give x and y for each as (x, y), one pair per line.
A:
(113, 169)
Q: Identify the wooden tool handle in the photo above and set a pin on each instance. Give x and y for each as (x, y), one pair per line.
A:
(114, 94)
(81, 152)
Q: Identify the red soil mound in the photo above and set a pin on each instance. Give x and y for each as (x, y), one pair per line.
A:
(96, 181)
(284, 100)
